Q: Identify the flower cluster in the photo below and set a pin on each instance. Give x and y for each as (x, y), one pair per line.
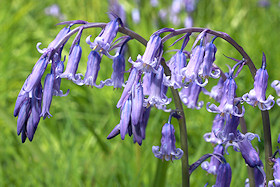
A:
(187, 73)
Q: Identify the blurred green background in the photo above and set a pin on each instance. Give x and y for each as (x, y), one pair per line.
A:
(71, 149)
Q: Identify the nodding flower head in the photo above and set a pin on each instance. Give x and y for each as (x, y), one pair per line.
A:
(228, 104)
(214, 164)
(257, 95)
(47, 95)
(189, 95)
(168, 150)
(102, 43)
(218, 125)
(157, 96)
(243, 144)
(223, 175)
(72, 65)
(93, 67)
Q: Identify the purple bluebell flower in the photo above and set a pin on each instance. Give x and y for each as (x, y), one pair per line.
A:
(229, 132)
(37, 72)
(188, 22)
(214, 164)
(29, 114)
(227, 104)
(191, 70)
(22, 96)
(217, 91)
(276, 85)
(218, 124)
(168, 150)
(257, 95)
(137, 103)
(72, 65)
(260, 176)
(47, 95)
(208, 60)
(156, 96)
(57, 39)
(223, 175)
(178, 62)
(276, 173)
(149, 60)
(176, 7)
(93, 67)
(243, 144)
(189, 5)
(102, 43)
(125, 117)
(132, 79)
(59, 68)
(189, 95)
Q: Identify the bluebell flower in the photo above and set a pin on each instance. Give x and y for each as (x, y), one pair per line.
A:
(102, 43)
(93, 67)
(229, 132)
(191, 71)
(217, 91)
(208, 60)
(168, 150)
(29, 114)
(243, 144)
(137, 103)
(189, 95)
(47, 95)
(276, 173)
(223, 175)
(260, 176)
(218, 125)
(176, 63)
(149, 61)
(214, 164)
(135, 14)
(59, 68)
(72, 65)
(156, 96)
(57, 39)
(227, 104)
(125, 117)
(132, 79)
(37, 72)
(275, 84)
(257, 95)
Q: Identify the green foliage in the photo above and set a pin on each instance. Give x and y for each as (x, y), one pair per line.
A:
(71, 148)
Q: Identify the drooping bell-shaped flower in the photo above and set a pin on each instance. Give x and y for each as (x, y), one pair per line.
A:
(257, 95)
(214, 164)
(243, 144)
(276, 85)
(150, 59)
(102, 43)
(29, 114)
(217, 91)
(47, 95)
(59, 68)
(156, 96)
(218, 125)
(260, 176)
(276, 173)
(168, 150)
(229, 131)
(72, 65)
(190, 72)
(37, 72)
(227, 104)
(132, 79)
(137, 103)
(208, 60)
(223, 175)
(93, 67)
(125, 117)
(189, 95)
(22, 96)
(177, 63)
